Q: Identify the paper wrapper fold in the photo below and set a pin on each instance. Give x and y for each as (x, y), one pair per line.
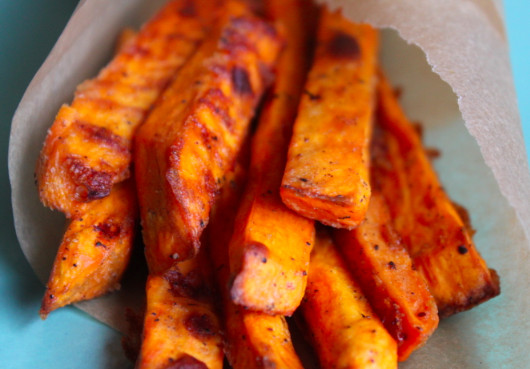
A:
(467, 107)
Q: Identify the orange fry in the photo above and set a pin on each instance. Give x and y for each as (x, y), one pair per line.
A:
(326, 177)
(383, 268)
(95, 250)
(438, 238)
(252, 340)
(194, 133)
(344, 329)
(181, 329)
(88, 147)
(269, 252)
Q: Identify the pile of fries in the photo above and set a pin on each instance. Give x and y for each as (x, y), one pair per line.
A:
(329, 209)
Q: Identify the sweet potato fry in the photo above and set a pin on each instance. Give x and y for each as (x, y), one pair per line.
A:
(88, 147)
(193, 135)
(344, 330)
(253, 340)
(438, 238)
(181, 329)
(327, 177)
(269, 252)
(95, 250)
(383, 268)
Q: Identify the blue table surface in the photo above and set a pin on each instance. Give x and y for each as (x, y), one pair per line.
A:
(70, 338)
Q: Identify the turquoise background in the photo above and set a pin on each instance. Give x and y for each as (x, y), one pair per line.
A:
(70, 338)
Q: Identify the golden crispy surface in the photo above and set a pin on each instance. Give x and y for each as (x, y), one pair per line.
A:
(88, 147)
(383, 268)
(269, 252)
(438, 238)
(344, 329)
(181, 328)
(193, 135)
(95, 250)
(326, 176)
(252, 340)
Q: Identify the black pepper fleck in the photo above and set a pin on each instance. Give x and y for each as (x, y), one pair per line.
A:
(462, 250)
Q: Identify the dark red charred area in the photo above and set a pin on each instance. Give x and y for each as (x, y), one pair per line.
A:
(343, 46)
(108, 230)
(186, 362)
(200, 325)
(90, 184)
(186, 285)
(241, 81)
(103, 137)
(188, 9)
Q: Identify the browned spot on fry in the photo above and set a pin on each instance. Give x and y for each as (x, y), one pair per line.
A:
(241, 81)
(200, 325)
(91, 184)
(344, 46)
(108, 230)
(186, 362)
(188, 9)
(186, 285)
(103, 136)
(313, 97)
(258, 251)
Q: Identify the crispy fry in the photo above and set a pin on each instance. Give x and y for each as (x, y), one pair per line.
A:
(269, 252)
(252, 340)
(344, 330)
(192, 137)
(181, 329)
(326, 177)
(383, 268)
(438, 238)
(88, 147)
(95, 250)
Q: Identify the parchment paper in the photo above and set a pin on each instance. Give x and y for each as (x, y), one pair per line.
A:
(472, 117)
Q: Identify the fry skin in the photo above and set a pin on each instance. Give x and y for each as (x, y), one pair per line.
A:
(438, 238)
(397, 293)
(344, 330)
(95, 250)
(269, 252)
(88, 147)
(181, 328)
(252, 340)
(195, 132)
(327, 173)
